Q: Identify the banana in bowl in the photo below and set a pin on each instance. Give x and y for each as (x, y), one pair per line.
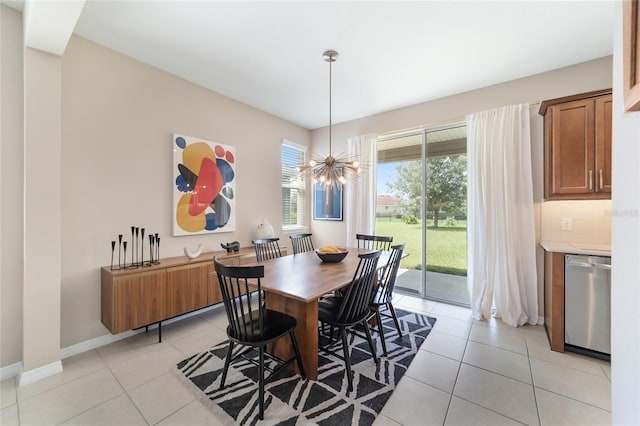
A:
(331, 254)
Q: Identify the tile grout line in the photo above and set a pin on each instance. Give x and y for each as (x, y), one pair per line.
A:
(490, 409)
(126, 392)
(602, 376)
(572, 398)
(455, 382)
(498, 374)
(533, 384)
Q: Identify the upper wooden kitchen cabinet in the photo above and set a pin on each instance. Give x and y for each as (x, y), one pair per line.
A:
(577, 132)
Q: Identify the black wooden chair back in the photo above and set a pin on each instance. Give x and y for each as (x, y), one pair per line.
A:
(252, 325)
(301, 243)
(267, 248)
(355, 303)
(244, 309)
(374, 242)
(384, 292)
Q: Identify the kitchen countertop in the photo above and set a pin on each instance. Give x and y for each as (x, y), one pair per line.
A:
(577, 248)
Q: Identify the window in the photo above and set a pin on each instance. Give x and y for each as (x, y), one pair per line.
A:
(293, 186)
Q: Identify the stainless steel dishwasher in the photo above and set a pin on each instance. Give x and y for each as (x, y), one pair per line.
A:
(587, 304)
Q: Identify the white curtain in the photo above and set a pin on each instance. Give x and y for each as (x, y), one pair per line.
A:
(360, 195)
(501, 235)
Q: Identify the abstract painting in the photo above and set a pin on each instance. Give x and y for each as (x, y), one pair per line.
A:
(204, 196)
(327, 203)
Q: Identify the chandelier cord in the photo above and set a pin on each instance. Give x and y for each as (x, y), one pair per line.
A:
(330, 122)
(331, 171)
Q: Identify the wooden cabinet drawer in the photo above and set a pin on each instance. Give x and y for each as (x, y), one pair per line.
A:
(214, 295)
(138, 300)
(186, 288)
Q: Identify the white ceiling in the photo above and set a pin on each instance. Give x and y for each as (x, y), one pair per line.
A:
(392, 54)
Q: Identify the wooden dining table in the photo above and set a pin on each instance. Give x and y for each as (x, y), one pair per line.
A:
(294, 284)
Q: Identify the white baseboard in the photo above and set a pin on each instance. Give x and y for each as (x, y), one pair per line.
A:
(39, 373)
(95, 343)
(106, 339)
(31, 376)
(10, 371)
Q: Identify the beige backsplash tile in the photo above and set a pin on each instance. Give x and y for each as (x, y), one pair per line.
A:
(591, 221)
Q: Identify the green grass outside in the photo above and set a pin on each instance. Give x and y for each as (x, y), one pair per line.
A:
(446, 245)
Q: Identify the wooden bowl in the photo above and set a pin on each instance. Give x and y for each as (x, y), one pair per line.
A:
(331, 257)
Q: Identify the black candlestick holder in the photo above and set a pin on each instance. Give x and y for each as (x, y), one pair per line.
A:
(113, 248)
(119, 250)
(137, 248)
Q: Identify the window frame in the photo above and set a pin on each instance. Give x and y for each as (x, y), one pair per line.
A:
(302, 219)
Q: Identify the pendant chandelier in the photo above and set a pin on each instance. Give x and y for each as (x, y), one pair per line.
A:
(331, 171)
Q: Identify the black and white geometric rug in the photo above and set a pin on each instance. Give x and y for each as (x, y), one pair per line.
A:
(292, 401)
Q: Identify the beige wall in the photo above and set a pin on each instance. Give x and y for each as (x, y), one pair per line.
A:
(118, 117)
(588, 76)
(42, 149)
(11, 186)
(115, 164)
(579, 78)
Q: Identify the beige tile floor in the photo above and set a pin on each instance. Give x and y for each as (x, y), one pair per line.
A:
(466, 373)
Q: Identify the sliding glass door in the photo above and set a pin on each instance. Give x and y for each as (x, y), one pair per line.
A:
(422, 201)
(399, 207)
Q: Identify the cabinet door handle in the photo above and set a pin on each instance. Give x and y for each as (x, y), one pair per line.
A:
(590, 179)
(601, 180)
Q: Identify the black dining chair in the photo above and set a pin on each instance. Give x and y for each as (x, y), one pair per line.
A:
(267, 248)
(301, 243)
(351, 309)
(374, 242)
(251, 324)
(383, 294)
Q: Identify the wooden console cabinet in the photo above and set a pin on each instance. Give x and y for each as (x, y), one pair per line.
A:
(577, 133)
(134, 298)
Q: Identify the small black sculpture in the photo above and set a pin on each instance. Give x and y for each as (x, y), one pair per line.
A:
(231, 247)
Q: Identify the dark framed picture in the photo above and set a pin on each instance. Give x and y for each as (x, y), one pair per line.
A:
(327, 202)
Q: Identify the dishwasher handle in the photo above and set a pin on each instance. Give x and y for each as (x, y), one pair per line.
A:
(604, 266)
(580, 264)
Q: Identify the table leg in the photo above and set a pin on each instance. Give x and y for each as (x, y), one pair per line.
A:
(306, 331)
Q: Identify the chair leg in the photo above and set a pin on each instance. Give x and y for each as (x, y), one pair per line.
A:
(227, 361)
(395, 318)
(347, 361)
(381, 332)
(261, 383)
(297, 351)
(370, 340)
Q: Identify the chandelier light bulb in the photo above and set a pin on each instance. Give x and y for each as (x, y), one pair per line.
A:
(355, 164)
(312, 163)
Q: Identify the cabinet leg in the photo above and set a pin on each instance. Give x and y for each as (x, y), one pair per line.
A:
(159, 331)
